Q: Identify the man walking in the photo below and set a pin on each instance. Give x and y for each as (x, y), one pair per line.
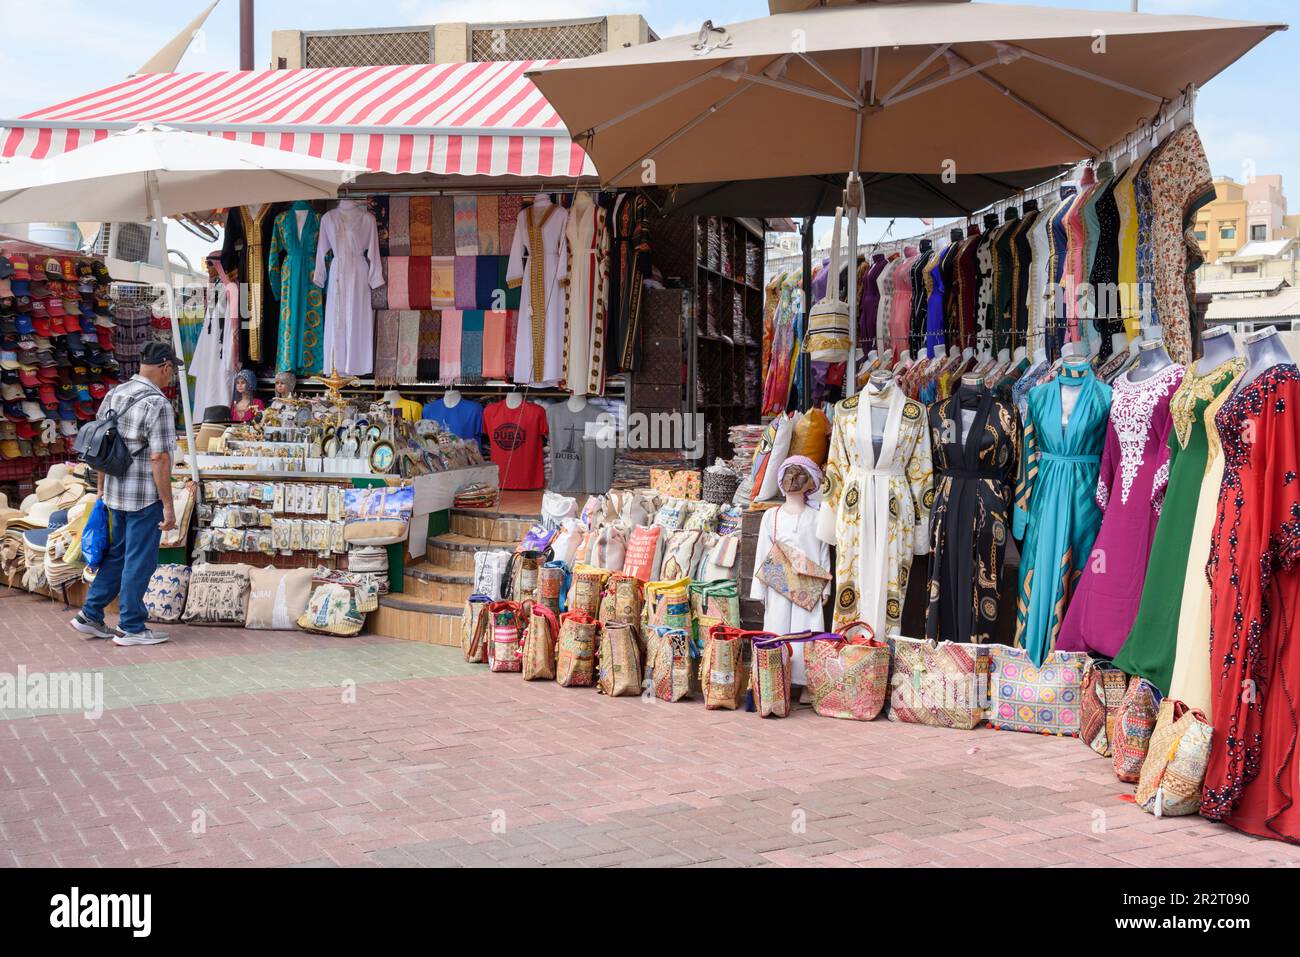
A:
(139, 502)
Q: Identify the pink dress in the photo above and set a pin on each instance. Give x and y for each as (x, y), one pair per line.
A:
(900, 316)
(1130, 490)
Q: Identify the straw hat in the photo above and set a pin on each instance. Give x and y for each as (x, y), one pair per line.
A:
(49, 488)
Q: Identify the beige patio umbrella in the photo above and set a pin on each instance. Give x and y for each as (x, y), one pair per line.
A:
(942, 88)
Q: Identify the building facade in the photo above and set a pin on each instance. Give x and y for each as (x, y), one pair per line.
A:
(1251, 212)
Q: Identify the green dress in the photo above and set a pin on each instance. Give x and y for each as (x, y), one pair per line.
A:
(290, 265)
(1149, 649)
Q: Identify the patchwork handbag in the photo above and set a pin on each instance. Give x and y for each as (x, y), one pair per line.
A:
(1100, 696)
(669, 662)
(848, 674)
(575, 658)
(1134, 724)
(793, 575)
(771, 675)
(504, 650)
(618, 665)
(724, 667)
(473, 629)
(713, 603)
(828, 322)
(668, 604)
(521, 573)
(541, 633)
(1039, 699)
(944, 685)
(622, 601)
(1174, 772)
(552, 585)
(672, 514)
(584, 593)
(164, 599)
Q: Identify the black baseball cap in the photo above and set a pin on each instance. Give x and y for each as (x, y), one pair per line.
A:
(155, 353)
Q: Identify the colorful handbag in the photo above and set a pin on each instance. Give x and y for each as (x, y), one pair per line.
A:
(540, 637)
(521, 573)
(944, 685)
(622, 600)
(724, 667)
(1039, 699)
(552, 585)
(668, 604)
(1101, 694)
(828, 322)
(713, 603)
(504, 652)
(618, 665)
(793, 575)
(473, 629)
(575, 658)
(1133, 726)
(668, 663)
(848, 675)
(771, 675)
(682, 553)
(1174, 771)
(584, 594)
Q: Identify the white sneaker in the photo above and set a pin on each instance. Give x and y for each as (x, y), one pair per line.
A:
(145, 637)
(91, 629)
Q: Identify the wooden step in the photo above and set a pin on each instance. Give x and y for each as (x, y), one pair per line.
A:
(456, 552)
(438, 584)
(503, 528)
(416, 619)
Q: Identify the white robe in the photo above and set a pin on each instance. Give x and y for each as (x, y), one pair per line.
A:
(350, 232)
(587, 288)
(216, 355)
(538, 261)
(780, 615)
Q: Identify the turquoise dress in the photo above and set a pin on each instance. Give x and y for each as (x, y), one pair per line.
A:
(1056, 516)
(290, 265)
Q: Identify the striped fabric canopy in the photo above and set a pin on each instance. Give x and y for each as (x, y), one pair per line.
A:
(467, 119)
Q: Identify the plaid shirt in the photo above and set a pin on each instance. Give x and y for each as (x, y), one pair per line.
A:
(149, 423)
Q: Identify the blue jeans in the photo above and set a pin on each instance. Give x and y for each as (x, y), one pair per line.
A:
(124, 574)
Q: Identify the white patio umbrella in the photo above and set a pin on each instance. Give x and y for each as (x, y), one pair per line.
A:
(943, 87)
(151, 171)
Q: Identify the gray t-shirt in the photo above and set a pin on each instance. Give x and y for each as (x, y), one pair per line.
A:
(567, 448)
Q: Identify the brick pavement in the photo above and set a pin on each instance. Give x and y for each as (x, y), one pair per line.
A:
(236, 748)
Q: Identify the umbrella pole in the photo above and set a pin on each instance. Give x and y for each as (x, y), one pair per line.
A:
(191, 453)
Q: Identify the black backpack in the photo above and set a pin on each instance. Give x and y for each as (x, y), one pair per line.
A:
(101, 446)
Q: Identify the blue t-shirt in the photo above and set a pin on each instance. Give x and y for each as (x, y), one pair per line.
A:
(465, 420)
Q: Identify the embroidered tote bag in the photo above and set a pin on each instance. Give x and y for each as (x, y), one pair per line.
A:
(164, 599)
(588, 585)
(670, 664)
(473, 629)
(618, 665)
(944, 685)
(828, 322)
(332, 610)
(1039, 699)
(1174, 771)
(1133, 726)
(793, 575)
(721, 558)
(541, 634)
(504, 651)
(668, 604)
(575, 660)
(277, 597)
(724, 667)
(771, 675)
(1101, 694)
(713, 603)
(848, 674)
(622, 601)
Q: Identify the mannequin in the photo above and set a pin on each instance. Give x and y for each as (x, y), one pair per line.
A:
(1153, 359)
(1217, 347)
(969, 383)
(794, 525)
(392, 397)
(1070, 390)
(576, 403)
(451, 398)
(514, 399)
(1263, 351)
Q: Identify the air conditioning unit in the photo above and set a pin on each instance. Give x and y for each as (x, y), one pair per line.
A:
(130, 242)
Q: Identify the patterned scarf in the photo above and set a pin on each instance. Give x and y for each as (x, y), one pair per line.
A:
(418, 283)
(466, 288)
(449, 347)
(494, 344)
(379, 296)
(489, 226)
(378, 206)
(430, 335)
(443, 226)
(399, 226)
(471, 345)
(399, 270)
(386, 330)
(442, 283)
(408, 347)
(421, 225)
(508, 208)
(466, 225)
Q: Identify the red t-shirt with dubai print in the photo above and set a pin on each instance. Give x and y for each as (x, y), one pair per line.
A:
(515, 439)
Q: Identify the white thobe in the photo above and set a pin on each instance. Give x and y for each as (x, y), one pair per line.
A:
(538, 261)
(350, 232)
(781, 616)
(587, 238)
(215, 361)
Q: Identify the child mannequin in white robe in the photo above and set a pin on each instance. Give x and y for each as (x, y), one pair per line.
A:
(794, 525)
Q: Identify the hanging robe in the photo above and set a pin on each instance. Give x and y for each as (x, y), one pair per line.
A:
(632, 265)
(1056, 516)
(974, 483)
(586, 297)
(215, 361)
(1130, 492)
(350, 235)
(1254, 570)
(290, 265)
(876, 509)
(538, 263)
(244, 246)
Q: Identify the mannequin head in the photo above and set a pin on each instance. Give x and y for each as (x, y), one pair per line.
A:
(245, 385)
(285, 384)
(798, 478)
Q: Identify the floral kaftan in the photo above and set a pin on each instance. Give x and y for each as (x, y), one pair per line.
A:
(876, 508)
(290, 264)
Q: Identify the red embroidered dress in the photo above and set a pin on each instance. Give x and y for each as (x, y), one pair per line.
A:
(1251, 781)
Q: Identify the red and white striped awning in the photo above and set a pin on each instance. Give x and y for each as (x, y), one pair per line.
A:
(466, 119)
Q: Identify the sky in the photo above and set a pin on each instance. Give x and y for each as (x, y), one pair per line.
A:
(1248, 116)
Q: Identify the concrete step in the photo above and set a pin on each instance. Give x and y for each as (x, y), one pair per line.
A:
(456, 552)
(417, 619)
